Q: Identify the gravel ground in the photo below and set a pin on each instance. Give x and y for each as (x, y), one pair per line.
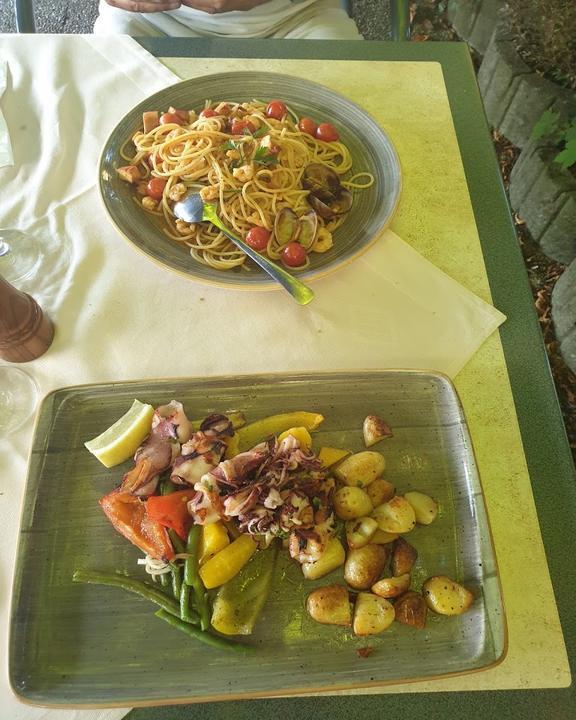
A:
(78, 16)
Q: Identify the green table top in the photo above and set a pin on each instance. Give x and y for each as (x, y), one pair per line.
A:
(545, 445)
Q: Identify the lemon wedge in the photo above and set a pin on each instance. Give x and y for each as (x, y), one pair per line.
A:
(122, 439)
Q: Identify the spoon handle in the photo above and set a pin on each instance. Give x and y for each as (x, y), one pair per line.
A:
(300, 292)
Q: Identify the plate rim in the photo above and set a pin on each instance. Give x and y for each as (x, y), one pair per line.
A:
(264, 284)
(272, 693)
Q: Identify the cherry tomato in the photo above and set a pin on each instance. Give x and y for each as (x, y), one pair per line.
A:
(171, 118)
(208, 113)
(238, 127)
(258, 237)
(307, 125)
(155, 188)
(276, 109)
(326, 132)
(293, 255)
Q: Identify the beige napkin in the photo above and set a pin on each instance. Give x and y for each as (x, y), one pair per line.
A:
(120, 316)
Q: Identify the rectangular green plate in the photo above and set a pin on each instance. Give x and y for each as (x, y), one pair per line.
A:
(91, 645)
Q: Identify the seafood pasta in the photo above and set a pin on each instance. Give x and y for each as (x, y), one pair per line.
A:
(283, 184)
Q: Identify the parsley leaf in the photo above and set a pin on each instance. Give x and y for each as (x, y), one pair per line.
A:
(263, 157)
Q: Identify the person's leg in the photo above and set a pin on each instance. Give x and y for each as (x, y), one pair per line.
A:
(113, 21)
(329, 22)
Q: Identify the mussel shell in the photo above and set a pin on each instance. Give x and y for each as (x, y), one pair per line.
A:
(340, 206)
(321, 181)
(308, 228)
(286, 226)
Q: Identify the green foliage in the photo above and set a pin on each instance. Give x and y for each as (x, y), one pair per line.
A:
(560, 132)
(547, 125)
(567, 157)
(543, 32)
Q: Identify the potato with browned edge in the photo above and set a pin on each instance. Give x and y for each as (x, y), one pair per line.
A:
(445, 596)
(391, 587)
(395, 516)
(364, 566)
(330, 605)
(380, 491)
(425, 508)
(360, 469)
(360, 531)
(410, 609)
(404, 556)
(351, 503)
(372, 614)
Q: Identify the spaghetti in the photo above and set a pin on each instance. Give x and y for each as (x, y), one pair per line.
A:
(280, 182)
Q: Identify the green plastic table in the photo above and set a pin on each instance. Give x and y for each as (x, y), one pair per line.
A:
(543, 435)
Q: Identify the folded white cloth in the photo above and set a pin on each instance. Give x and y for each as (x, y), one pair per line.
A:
(119, 316)
(5, 144)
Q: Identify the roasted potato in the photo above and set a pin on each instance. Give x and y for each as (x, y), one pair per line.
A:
(410, 609)
(364, 566)
(351, 503)
(383, 538)
(445, 596)
(330, 605)
(380, 491)
(391, 587)
(331, 558)
(359, 531)
(425, 508)
(360, 469)
(395, 516)
(404, 556)
(372, 614)
(375, 429)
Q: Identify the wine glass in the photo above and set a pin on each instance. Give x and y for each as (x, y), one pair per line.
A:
(20, 255)
(18, 397)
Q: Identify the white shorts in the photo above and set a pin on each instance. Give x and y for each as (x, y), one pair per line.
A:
(305, 20)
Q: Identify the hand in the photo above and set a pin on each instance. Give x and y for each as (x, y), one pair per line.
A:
(222, 6)
(145, 6)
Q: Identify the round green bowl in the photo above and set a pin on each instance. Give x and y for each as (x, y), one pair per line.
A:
(369, 146)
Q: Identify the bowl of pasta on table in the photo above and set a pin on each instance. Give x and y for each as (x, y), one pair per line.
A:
(300, 173)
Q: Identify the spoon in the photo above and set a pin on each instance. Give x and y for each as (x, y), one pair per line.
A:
(193, 209)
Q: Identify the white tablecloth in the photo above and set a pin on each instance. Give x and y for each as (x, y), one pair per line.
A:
(119, 316)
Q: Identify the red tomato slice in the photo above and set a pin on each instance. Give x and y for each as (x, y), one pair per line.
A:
(155, 188)
(172, 511)
(293, 255)
(276, 109)
(257, 237)
(308, 126)
(208, 113)
(326, 132)
(128, 515)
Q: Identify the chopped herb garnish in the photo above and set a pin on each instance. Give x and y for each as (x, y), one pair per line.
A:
(263, 157)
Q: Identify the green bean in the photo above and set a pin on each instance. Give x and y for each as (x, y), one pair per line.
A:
(167, 487)
(186, 613)
(164, 579)
(177, 543)
(192, 576)
(205, 637)
(176, 580)
(138, 587)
